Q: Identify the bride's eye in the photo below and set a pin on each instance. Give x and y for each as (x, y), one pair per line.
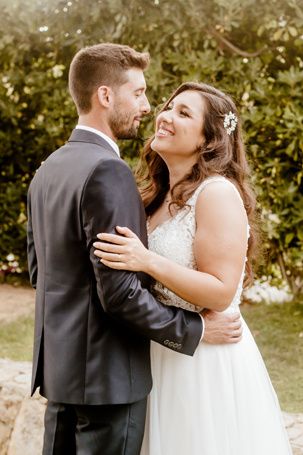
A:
(184, 113)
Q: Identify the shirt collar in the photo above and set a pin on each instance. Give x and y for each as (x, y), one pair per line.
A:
(99, 133)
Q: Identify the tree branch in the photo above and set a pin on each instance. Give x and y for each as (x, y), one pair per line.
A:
(287, 278)
(232, 47)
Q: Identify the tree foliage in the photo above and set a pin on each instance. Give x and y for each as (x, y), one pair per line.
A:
(251, 49)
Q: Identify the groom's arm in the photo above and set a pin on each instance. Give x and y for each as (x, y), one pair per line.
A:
(31, 251)
(110, 198)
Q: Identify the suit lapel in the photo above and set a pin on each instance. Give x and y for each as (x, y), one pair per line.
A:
(79, 135)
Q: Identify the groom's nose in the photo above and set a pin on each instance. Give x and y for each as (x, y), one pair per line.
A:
(145, 107)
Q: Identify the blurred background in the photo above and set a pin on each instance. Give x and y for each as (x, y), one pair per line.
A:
(252, 49)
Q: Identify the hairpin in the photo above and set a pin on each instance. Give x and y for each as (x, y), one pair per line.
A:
(230, 122)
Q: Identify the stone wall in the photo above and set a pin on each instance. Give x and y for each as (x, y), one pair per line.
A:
(21, 417)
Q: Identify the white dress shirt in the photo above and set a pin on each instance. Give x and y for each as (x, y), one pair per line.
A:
(99, 133)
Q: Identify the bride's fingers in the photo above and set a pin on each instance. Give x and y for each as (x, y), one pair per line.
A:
(126, 232)
(113, 265)
(112, 257)
(98, 253)
(109, 247)
(112, 238)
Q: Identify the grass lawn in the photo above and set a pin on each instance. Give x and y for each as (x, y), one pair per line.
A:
(16, 339)
(278, 330)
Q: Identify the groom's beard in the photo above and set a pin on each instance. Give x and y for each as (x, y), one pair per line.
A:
(123, 125)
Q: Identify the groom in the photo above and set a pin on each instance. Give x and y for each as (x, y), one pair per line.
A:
(93, 324)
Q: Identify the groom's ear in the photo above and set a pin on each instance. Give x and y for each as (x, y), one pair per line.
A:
(105, 95)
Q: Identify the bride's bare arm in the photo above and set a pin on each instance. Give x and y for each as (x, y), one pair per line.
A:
(219, 246)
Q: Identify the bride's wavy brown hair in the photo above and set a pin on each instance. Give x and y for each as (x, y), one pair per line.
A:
(220, 154)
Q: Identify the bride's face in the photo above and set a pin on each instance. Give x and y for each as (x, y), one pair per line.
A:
(179, 127)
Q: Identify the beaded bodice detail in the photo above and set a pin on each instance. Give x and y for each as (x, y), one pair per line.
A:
(174, 239)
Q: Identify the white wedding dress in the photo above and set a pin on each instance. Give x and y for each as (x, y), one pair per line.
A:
(221, 400)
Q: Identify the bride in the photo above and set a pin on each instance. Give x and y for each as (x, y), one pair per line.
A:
(200, 209)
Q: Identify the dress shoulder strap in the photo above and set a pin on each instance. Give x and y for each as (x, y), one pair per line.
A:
(208, 181)
(192, 201)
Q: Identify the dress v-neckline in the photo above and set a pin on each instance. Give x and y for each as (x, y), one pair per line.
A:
(172, 218)
(162, 223)
(158, 225)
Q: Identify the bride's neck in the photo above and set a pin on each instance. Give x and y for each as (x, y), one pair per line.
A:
(178, 172)
(178, 167)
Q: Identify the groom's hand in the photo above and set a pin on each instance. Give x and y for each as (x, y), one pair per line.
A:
(221, 328)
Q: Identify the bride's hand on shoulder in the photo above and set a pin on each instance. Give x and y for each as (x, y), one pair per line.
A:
(122, 252)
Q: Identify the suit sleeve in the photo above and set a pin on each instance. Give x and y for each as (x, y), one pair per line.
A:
(111, 198)
(31, 252)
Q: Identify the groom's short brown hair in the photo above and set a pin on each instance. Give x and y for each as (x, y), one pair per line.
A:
(101, 64)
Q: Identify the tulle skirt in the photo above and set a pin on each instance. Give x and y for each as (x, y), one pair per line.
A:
(218, 402)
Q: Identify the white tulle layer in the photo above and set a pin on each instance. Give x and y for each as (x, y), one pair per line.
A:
(219, 402)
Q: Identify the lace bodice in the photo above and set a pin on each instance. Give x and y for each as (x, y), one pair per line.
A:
(174, 238)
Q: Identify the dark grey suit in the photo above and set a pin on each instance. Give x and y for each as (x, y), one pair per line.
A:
(93, 324)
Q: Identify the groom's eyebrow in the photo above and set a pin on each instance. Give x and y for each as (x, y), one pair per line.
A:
(141, 89)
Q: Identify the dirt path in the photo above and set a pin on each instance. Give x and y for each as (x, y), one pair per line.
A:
(15, 301)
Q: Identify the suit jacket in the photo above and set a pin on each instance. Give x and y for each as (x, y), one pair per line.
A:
(92, 324)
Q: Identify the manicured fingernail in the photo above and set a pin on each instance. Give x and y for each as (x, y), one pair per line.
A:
(99, 236)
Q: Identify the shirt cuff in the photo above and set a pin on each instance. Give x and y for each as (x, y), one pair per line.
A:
(203, 327)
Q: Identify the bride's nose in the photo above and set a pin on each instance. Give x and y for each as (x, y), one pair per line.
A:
(165, 116)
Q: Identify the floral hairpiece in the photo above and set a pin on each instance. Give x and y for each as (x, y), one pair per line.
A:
(230, 122)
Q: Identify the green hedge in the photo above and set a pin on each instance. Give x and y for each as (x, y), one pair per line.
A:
(252, 49)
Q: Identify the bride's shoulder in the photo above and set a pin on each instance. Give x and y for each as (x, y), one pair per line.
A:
(214, 185)
(218, 195)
